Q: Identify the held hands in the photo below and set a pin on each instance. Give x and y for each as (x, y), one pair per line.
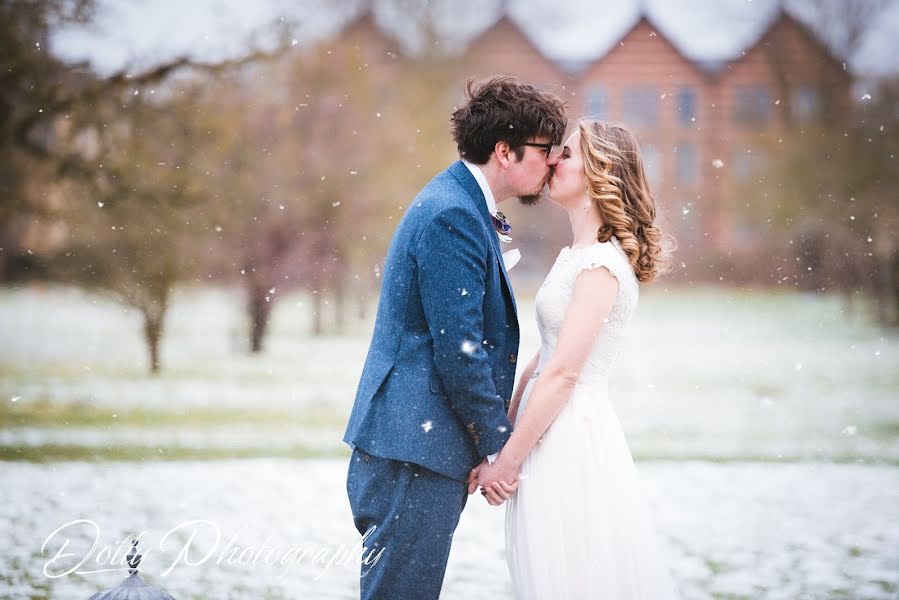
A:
(492, 481)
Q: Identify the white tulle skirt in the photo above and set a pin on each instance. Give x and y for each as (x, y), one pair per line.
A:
(578, 527)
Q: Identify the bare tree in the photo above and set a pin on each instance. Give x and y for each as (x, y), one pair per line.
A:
(130, 220)
(832, 184)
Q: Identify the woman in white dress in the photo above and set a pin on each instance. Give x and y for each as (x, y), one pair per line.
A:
(577, 525)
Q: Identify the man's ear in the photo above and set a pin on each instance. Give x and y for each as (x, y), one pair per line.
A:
(503, 153)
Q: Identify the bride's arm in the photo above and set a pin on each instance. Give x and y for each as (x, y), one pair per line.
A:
(522, 383)
(591, 302)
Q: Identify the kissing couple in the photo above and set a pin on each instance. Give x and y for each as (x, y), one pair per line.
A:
(436, 417)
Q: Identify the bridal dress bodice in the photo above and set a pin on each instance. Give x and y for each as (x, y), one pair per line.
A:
(555, 294)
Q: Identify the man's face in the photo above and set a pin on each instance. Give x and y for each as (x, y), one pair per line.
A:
(528, 175)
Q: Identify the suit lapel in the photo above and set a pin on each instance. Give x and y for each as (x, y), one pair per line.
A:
(470, 184)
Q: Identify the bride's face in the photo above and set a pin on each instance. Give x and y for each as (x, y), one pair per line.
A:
(568, 184)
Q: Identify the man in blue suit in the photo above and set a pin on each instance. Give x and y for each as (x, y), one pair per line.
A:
(431, 404)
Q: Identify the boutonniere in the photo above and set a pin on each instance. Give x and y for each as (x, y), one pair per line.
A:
(502, 227)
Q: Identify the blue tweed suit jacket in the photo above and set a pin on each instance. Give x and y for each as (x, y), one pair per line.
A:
(439, 373)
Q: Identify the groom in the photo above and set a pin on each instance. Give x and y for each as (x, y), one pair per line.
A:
(431, 404)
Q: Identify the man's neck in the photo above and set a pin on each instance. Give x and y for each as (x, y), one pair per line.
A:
(494, 180)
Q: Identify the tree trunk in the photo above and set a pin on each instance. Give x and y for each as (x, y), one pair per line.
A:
(152, 336)
(339, 305)
(317, 328)
(880, 290)
(363, 307)
(260, 307)
(889, 296)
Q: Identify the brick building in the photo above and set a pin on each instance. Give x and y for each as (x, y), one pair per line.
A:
(705, 126)
(708, 118)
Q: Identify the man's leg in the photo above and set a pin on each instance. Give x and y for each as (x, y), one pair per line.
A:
(414, 512)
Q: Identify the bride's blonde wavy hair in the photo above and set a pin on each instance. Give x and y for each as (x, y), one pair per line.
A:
(616, 181)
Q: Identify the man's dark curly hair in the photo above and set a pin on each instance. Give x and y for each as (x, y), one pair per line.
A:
(502, 109)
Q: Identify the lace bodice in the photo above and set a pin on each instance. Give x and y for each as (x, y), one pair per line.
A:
(555, 294)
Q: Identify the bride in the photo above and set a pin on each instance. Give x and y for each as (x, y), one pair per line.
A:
(577, 525)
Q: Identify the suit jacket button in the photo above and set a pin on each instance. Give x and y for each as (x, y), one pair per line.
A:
(512, 358)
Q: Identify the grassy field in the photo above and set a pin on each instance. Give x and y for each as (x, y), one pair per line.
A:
(708, 374)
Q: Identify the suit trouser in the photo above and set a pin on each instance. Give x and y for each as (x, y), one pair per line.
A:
(414, 512)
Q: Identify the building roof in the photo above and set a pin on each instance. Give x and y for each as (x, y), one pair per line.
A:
(705, 33)
(571, 33)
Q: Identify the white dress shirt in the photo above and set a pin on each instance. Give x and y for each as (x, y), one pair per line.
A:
(510, 257)
(482, 182)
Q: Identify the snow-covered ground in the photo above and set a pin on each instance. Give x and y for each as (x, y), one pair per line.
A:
(765, 427)
(747, 530)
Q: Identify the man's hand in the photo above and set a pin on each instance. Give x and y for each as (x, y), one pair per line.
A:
(473, 477)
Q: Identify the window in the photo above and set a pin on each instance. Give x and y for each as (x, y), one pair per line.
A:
(752, 104)
(640, 106)
(685, 218)
(741, 164)
(804, 103)
(597, 102)
(651, 162)
(687, 160)
(686, 105)
(748, 164)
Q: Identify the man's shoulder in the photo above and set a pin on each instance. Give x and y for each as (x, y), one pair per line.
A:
(444, 193)
(446, 186)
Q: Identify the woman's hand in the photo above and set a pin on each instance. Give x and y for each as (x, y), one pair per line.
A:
(498, 481)
(498, 492)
